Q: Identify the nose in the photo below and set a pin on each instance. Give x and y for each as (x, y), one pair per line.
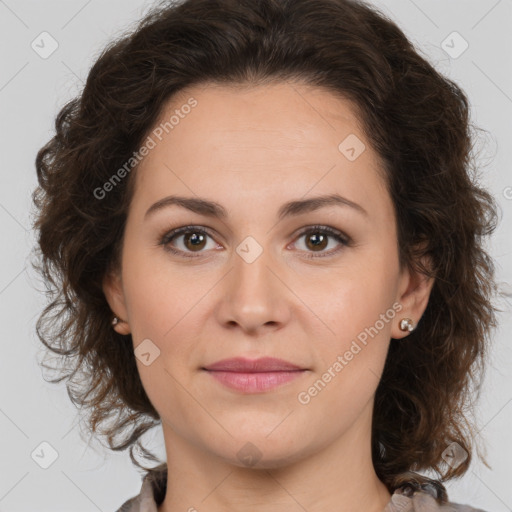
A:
(254, 297)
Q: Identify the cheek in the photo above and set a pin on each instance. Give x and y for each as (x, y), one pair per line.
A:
(159, 295)
(352, 298)
(165, 316)
(352, 350)
(164, 305)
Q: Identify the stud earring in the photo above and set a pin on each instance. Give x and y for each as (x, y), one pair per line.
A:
(115, 320)
(406, 324)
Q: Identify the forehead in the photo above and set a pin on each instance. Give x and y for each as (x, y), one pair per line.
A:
(297, 111)
(265, 140)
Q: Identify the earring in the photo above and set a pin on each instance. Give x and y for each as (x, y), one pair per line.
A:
(115, 320)
(406, 324)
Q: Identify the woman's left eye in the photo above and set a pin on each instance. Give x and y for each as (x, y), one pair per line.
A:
(195, 239)
(317, 237)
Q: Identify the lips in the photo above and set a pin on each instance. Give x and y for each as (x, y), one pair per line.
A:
(243, 365)
(254, 376)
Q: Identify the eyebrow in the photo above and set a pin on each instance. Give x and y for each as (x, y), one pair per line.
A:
(292, 208)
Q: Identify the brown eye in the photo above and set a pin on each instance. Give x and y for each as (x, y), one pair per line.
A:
(316, 241)
(193, 240)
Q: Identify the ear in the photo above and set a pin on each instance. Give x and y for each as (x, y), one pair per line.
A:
(413, 294)
(113, 290)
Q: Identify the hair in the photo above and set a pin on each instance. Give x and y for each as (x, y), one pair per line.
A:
(415, 119)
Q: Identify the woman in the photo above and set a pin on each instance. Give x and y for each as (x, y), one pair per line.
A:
(263, 224)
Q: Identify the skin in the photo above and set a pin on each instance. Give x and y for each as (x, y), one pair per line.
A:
(251, 149)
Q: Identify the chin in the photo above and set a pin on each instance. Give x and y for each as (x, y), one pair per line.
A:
(259, 452)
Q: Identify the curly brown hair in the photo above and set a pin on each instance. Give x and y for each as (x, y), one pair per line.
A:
(414, 118)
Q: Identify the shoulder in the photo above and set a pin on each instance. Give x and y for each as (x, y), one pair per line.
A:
(423, 501)
(151, 494)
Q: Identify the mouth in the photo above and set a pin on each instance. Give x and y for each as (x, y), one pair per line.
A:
(254, 376)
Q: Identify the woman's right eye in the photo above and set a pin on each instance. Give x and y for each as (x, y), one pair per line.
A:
(194, 240)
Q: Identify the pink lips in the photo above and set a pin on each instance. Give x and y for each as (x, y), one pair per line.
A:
(253, 376)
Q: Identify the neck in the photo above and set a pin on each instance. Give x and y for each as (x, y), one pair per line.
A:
(340, 476)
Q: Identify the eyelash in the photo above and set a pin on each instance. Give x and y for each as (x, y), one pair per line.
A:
(325, 230)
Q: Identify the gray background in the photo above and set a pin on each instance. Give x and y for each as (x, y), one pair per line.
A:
(85, 476)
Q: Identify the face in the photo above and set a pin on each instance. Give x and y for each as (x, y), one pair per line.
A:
(318, 286)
